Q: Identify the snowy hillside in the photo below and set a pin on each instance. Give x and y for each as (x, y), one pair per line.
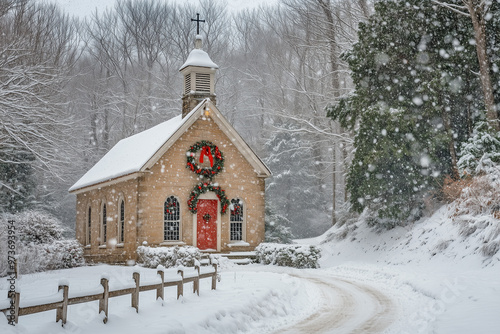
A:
(461, 285)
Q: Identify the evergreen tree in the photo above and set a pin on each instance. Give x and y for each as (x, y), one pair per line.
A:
(17, 181)
(291, 189)
(416, 96)
(277, 226)
(481, 153)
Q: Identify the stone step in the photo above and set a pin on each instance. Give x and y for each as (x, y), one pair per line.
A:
(235, 257)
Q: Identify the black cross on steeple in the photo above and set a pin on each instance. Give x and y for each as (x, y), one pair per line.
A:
(197, 23)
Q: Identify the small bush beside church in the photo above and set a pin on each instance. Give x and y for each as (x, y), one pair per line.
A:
(39, 244)
(151, 257)
(296, 256)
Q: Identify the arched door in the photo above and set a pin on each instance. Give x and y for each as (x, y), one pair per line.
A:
(206, 217)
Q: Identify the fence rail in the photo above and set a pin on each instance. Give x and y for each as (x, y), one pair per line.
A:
(63, 301)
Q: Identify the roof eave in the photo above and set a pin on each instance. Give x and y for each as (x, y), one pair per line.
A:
(106, 183)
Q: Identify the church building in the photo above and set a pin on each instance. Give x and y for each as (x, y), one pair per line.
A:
(191, 180)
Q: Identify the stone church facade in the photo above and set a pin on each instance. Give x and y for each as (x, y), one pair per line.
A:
(191, 180)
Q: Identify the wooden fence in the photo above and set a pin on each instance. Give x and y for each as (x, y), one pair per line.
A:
(62, 300)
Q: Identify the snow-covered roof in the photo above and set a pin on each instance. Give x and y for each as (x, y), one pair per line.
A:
(200, 58)
(139, 152)
(130, 154)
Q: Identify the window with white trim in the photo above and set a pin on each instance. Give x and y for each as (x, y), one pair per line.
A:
(236, 219)
(121, 222)
(104, 224)
(89, 226)
(171, 219)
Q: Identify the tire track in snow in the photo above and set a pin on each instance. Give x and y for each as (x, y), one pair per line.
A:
(346, 307)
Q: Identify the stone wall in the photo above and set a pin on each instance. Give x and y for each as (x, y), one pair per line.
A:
(110, 251)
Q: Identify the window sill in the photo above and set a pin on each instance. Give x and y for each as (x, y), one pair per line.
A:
(238, 244)
(87, 247)
(120, 245)
(102, 247)
(172, 243)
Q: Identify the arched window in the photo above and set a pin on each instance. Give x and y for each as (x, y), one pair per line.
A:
(121, 222)
(236, 219)
(89, 226)
(104, 225)
(171, 219)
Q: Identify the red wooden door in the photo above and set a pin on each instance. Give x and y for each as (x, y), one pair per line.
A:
(206, 217)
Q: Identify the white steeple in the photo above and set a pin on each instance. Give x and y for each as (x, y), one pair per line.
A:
(199, 77)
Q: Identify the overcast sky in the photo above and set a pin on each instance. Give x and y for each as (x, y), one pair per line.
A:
(84, 8)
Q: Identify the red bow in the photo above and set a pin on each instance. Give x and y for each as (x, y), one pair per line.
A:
(205, 150)
(217, 153)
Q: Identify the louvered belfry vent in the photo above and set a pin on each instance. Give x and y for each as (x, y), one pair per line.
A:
(187, 84)
(199, 78)
(203, 82)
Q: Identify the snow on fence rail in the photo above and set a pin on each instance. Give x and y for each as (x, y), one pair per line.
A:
(61, 300)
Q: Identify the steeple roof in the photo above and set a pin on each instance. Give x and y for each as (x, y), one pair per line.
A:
(198, 57)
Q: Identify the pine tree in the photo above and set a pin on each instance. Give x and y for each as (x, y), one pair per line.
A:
(481, 153)
(291, 189)
(17, 181)
(278, 228)
(416, 96)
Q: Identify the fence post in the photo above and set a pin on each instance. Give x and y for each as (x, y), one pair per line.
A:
(159, 291)
(196, 283)
(103, 302)
(15, 299)
(135, 294)
(16, 268)
(214, 277)
(62, 312)
(180, 285)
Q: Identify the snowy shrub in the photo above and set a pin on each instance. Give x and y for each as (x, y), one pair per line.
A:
(38, 227)
(296, 256)
(477, 211)
(187, 256)
(480, 197)
(151, 257)
(338, 233)
(382, 223)
(345, 215)
(347, 222)
(481, 152)
(485, 229)
(39, 245)
(63, 254)
(452, 189)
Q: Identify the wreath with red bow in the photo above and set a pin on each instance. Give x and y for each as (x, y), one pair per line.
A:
(202, 188)
(208, 151)
(170, 207)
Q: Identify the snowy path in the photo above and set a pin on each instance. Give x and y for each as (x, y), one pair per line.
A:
(346, 307)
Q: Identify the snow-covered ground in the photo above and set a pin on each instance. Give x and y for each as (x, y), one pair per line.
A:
(245, 301)
(424, 278)
(455, 288)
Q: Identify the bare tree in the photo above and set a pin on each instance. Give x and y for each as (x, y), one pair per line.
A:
(478, 11)
(37, 50)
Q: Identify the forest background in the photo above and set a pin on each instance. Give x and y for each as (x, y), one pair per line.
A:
(296, 80)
